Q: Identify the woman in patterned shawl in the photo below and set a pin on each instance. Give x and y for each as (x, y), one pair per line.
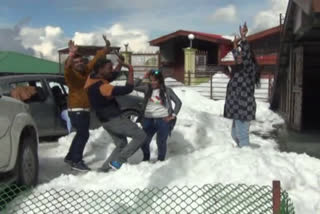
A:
(240, 104)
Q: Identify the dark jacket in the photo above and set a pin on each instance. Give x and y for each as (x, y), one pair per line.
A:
(240, 102)
(102, 97)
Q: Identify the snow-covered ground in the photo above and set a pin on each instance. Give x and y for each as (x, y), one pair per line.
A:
(200, 145)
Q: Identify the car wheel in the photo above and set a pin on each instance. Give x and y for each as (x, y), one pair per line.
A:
(132, 115)
(28, 163)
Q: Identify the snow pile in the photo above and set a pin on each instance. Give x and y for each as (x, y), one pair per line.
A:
(200, 151)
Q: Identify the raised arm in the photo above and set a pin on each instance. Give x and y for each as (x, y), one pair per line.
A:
(245, 47)
(117, 71)
(69, 73)
(235, 50)
(128, 88)
(101, 53)
(142, 85)
(72, 52)
(120, 62)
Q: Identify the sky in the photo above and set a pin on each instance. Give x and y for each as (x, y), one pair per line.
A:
(41, 27)
(200, 144)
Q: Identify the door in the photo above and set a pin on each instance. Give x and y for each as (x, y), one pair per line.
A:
(60, 94)
(6, 115)
(297, 89)
(41, 105)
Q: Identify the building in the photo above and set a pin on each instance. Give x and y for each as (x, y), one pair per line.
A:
(297, 83)
(17, 63)
(172, 47)
(213, 53)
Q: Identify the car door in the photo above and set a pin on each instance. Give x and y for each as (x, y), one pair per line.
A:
(6, 117)
(58, 84)
(41, 105)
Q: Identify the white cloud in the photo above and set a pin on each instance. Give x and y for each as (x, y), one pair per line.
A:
(118, 36)
(226, 14)
(10, 39)
(46, 41)
(270, 18)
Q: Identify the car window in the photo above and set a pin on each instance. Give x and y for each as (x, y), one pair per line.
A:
(53, 84)
(66, 88)
(28, 91)
(59, 83)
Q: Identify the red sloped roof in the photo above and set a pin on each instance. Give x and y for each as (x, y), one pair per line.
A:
(199, 35)
(264, 33)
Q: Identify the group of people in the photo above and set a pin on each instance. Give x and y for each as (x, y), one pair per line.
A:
(90, 86)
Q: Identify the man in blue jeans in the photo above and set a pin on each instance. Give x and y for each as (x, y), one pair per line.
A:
(76, 72)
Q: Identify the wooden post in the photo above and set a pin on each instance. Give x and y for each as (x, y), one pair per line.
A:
(276, 197)
(211, 89)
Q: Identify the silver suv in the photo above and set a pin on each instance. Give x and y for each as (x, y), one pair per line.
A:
(18, 143)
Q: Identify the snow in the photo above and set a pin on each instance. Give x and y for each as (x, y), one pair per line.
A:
(228, 57)
(200, 144)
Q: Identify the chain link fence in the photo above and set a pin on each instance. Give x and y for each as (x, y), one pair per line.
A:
(218, 199)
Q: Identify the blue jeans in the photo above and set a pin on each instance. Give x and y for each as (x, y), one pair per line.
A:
(240, 132)
(80, 120)
(162, 128)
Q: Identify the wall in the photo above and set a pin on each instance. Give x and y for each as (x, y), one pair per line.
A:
(311, 87)
(266, 45)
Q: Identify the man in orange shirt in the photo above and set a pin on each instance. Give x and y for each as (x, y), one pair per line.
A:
(76, 72)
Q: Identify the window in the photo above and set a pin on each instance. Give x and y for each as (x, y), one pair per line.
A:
(59, 92)
(28, 91)
(201, 59)
(56, 83)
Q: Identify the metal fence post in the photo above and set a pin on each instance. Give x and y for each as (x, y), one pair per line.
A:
(269, 87)
(189, 78)
(276, 197)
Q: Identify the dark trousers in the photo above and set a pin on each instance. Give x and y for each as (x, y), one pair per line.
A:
(162, 128)
(80, 120)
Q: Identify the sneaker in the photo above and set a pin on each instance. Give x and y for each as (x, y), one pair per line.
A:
(115, 165)
(67, 160)
(80, 166)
